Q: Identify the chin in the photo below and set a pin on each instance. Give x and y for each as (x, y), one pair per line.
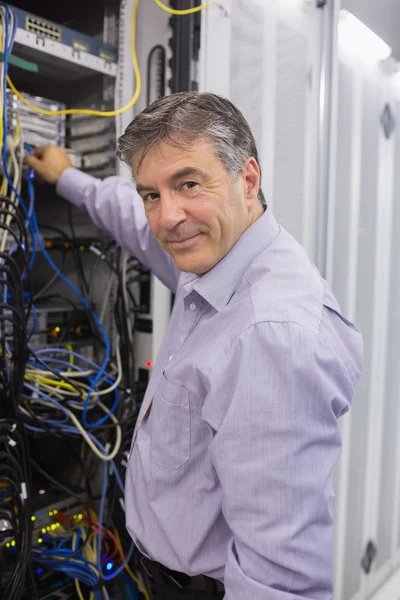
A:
(192, 266)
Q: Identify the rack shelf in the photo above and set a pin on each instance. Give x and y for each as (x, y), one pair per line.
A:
(70, 64)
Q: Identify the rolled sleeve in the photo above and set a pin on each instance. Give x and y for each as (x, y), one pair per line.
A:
(276, 395)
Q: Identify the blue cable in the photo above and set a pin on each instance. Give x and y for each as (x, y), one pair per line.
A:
(95, 317)
(34, 312)
(107, 415)
(76, 403)
(7, 49)
(31, 220)
(101, 516)
(31, 192)
(132, 590)
(69, 352)
(63, 363)
(69, 429)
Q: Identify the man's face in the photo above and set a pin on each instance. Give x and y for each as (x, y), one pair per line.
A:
(194, 208)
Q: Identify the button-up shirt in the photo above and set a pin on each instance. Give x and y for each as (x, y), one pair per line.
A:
(230, 470)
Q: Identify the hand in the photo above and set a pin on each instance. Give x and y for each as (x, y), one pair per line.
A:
(49, 162)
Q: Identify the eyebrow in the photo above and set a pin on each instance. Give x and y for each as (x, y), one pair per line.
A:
(185, 172)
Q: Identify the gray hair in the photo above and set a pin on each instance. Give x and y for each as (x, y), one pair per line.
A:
(182, 118)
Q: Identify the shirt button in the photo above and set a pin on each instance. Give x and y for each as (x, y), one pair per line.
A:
(192, 306)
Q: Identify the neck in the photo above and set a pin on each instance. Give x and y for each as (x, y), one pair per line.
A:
(256, 213)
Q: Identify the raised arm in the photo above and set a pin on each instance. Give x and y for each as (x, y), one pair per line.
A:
(113, 205)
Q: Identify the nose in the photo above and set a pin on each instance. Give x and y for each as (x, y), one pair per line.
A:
(172, 212)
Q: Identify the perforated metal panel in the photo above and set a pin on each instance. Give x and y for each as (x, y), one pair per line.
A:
(390, 400)
(366, 278)
(343, 186)
(247, 67)
(364, 310)
(291, 84)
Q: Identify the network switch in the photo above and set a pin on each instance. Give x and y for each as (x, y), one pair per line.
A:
(46, 29)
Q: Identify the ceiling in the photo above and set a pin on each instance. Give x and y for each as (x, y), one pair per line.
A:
(382, 16)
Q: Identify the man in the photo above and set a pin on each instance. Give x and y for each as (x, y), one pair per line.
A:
(230, 472)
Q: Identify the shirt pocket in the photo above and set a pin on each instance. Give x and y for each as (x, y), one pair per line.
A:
(170, 426)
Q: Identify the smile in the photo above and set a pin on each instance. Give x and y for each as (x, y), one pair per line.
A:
(186, 244)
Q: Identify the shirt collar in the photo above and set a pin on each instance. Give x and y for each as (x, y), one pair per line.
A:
(218, 285)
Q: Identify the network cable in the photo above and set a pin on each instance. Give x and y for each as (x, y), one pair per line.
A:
(132, 102)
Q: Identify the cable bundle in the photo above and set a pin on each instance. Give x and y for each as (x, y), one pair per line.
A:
(15, 510)
(57, 393)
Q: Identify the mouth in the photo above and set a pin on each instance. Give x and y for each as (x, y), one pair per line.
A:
(185, 244)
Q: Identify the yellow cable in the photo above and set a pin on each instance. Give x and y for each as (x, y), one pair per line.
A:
(77, 583)
(52, 382)
(1, 107)
(95, 113)
(78, 590)
(17, 132)
(1, 134)
(71, 356)
(187, 11)
(128, 570)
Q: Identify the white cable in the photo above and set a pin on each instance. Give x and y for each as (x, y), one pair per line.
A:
(85, 387)
(69, 374)
(106, 298)
(124, 266)
(16, 184)
(53, 388)
(47, 388)
(82, 431)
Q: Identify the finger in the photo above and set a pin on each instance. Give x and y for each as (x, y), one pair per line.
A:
(38, 152)
(31, 160)
(36, 165)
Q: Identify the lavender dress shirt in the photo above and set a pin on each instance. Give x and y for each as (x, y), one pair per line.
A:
(230, 475)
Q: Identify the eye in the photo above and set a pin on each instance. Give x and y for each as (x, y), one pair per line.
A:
(150, 197)
(189, 185)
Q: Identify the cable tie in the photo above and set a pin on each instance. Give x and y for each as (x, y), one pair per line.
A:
(24, 491)
(96, 251)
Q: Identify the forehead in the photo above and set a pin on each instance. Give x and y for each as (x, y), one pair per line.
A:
(165, 158)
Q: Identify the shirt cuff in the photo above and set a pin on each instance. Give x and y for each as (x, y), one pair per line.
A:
(72, 185)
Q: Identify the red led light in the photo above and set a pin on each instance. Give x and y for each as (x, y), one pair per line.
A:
(149, 364)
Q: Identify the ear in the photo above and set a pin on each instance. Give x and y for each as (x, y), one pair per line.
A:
(251, 177)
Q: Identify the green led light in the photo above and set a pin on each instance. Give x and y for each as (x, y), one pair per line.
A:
(8, 544)
(50, 513)
(13, 543)
(33, 518)
(58, 329)
(55, 512)
(40, 540)
(44, 530)
(80, 516)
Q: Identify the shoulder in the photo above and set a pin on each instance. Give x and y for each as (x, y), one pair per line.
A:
(291, 310)
(284, 286)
